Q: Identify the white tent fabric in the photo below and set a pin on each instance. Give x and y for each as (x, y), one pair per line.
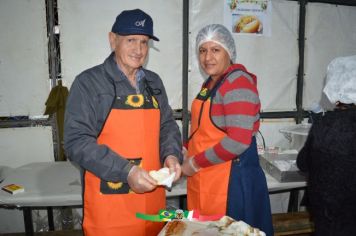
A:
(84, 24)
(273, 59)
(330, 33)
(24, 77)
(23, 145)
(84, 27)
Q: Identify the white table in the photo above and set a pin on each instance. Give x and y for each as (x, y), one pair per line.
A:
(56, 184)
(47, 185)
(180, 188)
(299, 129)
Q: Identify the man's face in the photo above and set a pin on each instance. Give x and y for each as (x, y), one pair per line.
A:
(130, 50)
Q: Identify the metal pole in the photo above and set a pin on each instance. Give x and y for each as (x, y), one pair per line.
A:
(185, 112)
(53, 70)
(301, 45)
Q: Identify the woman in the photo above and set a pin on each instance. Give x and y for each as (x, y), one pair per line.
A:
(222, 160)
(329, 155)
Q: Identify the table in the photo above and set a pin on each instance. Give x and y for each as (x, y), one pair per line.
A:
(298, 129)
(179, 189)
(57, 184)
(47, 185)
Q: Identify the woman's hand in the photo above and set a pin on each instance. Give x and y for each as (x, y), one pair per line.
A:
(190, 167)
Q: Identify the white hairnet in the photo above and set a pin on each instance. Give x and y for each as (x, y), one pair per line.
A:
(218, 34)
(341, 80)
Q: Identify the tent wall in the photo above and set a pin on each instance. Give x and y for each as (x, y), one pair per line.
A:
(84, 27)
(289, 81)
(24, 82)
(330, 32)
(18, 145)
(274, 59)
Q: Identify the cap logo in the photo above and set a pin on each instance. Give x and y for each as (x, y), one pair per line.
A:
(140, 23)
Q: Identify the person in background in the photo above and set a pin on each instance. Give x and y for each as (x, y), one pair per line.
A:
(222, 163)
(118, 126)
(329, 155)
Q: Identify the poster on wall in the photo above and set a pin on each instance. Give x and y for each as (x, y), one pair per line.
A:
(248, 17)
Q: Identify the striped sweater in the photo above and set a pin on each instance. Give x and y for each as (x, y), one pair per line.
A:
(235, 110)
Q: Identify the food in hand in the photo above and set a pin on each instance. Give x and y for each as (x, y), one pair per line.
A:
(160, 175)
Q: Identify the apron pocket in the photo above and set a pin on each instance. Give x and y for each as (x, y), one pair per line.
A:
(118, 187)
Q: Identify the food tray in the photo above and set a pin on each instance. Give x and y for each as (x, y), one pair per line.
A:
(191, 227)
(282, 167)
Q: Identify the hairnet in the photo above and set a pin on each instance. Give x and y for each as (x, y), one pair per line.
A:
(341, 80)
(218, 34)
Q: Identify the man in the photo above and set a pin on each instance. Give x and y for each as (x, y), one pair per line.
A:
(118, 126)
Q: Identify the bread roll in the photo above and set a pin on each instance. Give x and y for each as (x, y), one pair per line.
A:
(175, 228)
(159, 175)
(248, 24)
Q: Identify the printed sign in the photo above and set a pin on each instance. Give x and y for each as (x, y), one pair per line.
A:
(250, 17)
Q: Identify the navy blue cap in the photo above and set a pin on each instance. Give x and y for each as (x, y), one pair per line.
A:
(134, 22)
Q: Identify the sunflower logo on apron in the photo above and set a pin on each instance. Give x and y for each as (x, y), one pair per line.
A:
(135, 100)
(118, 187)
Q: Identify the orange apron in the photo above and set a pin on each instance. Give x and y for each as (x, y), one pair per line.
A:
(208, 189)
(132, 130)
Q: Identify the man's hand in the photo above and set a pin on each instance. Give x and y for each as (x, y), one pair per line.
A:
(140, 181)
(189, 166)
(172, 163)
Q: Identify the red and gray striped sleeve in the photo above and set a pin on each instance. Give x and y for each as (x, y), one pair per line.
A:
(235, 110)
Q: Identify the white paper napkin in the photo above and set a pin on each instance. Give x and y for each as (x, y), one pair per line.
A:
(163, 177)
